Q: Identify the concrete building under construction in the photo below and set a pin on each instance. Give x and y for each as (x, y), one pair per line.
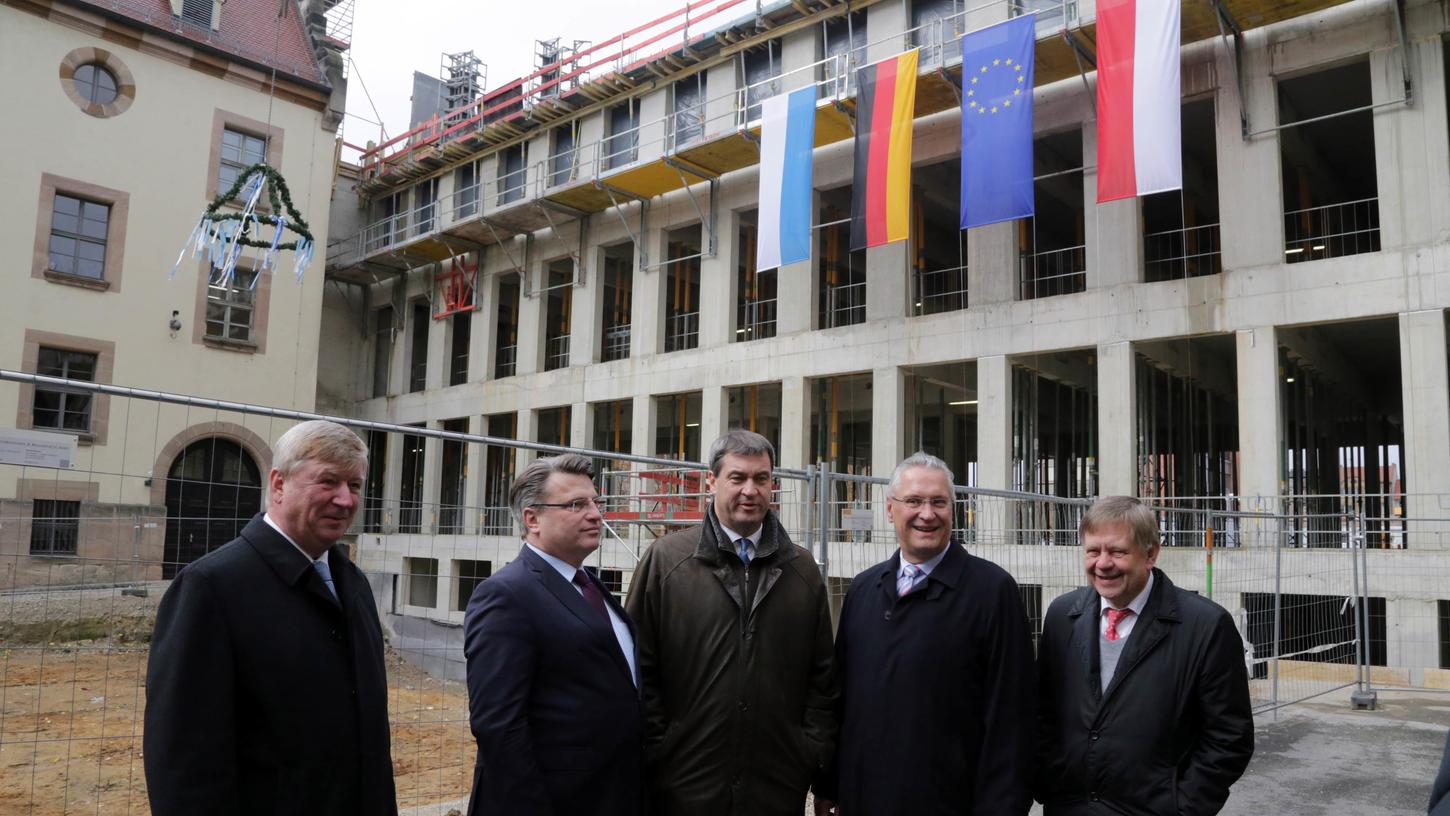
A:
(1272, 337)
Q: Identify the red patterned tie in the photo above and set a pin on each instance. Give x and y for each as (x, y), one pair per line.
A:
(590, 593)
(1115, 617)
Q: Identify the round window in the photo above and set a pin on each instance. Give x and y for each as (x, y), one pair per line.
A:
(95, 83)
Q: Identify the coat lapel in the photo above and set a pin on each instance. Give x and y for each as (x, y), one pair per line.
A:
(1159, 615)
(290, 565)
(1084, 643)
(567, 595)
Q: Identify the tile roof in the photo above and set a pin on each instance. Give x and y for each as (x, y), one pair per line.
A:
(250, 30)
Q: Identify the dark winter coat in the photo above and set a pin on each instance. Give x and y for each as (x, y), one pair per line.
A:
(1440, 793)
(1173, 730)
(264, 694)
(737, 675)
(936, 693)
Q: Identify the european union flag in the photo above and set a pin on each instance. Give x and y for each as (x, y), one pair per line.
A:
(997, 122)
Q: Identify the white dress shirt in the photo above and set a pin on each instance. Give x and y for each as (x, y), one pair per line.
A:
(621, 629)
(1125, 626)
(310, 559)
(926, 566)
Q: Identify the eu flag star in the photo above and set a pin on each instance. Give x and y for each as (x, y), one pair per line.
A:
(984, 69)
(1006, 103)
(996, 62)
(994, 109)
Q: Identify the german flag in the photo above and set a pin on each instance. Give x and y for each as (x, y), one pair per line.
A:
(881, 190)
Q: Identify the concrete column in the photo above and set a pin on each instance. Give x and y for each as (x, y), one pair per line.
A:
(581, 425)
(799, 50)
(1117, 421)
(654, 109)
(795, 423)
(720, 99)
(994, 422)
(438, 351)
(1260, 446)
(881, 20)
(588, 309)
(392, 483)
(886, 281)
(432, 479)
(888, 419)
(528, 431)
(1425, 386)
(992, 263)
(473, 478)
(642, 430)
(647, 317)
(1413, 173)
(714, 414)
(1114, 235)
(719, 282)
(483, 334)
(1412, 639)
(1251, 195)
(531, 322)
(798, 289)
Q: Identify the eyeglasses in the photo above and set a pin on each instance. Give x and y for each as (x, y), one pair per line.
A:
(576, 506)
(936, 503)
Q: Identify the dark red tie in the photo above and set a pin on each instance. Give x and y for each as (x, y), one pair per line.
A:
(1115, 617)
(591, 594)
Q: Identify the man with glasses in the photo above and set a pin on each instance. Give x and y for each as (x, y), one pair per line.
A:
(735, 652)
(553, 694)
(936, 672)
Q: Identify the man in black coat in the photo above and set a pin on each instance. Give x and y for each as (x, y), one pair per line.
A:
(553, 695)
(936, 672)
(1440, 793)
(1144, 702)
(265, 691)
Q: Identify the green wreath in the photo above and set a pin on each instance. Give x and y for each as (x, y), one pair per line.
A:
(281, 199)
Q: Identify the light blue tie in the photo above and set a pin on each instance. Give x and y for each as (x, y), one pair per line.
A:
(906, 582)
(743, 548)
(326, 573)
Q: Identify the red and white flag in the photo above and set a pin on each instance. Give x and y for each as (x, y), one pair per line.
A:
(1139, 130)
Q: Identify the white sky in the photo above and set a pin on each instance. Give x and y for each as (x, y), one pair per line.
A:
(391, 40)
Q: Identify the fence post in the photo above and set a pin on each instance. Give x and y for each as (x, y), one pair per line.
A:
(1278, 612)
(1363, 697)
(808, 517)
(823, 506)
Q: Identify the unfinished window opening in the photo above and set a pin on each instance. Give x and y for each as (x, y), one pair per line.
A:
(755, 298)
(562, 158)
(1443, 607)
(1187, 436)
(1052, 244)
(682, 292)
(422, 583)
(467, 575)
(418, 348)
(1055, 433)
(677, 426)
(410, 493)
(613, 432)
(558, 309)
(498, 469)
(1180, 227)
(756, 408)
(450, 484)
(841, 438)
(845, 51)
(377, 442)
(460, 331)
(618, 302)
(843, 272)
(760, 67)
(425, 205)
(465, 182)
(938, 244)
(512, 173)
(553, 426)
(621, 144)
(612, 579)
(934, 24)
(1331, 194)
(1051, 14)
(689, 102)
(382, 349)
(506, 346)
(941, 416)
(1343, 426)
(1312, 629)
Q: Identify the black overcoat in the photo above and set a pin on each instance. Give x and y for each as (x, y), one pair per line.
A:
(937, 693)
(551, 702)
(264, 694)
(1173, 730)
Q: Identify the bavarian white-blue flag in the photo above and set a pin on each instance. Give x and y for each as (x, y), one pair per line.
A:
(787, 141)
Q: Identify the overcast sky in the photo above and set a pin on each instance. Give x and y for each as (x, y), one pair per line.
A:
(391, 40)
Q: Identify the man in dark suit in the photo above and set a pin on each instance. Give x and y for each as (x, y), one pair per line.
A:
(1144, 701)
(265, 691)
(936, 670)
(553, 696)
(1440, 793)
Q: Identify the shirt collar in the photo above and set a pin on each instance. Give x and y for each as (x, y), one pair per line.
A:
(926, 566)
(566, 570)
(753, 538)
(1137, 604)
(273, 525)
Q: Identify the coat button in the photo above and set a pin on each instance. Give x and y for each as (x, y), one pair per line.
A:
(1094, 796)
(744, 706)
(1093, 735)
(888, 614)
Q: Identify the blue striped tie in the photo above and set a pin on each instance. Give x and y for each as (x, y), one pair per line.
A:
(743, 548)
(326, 573)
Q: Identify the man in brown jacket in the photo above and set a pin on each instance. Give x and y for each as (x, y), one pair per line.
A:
(735, 652)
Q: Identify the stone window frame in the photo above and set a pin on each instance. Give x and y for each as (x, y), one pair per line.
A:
(105, 352)
(261, 300)
(120, 203)
(63, 528)
(223, 120)
(28, 491)
(125, 81)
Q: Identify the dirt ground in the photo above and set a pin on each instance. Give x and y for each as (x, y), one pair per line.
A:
(71, 718)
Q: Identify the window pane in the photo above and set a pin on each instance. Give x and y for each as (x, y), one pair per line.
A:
(90, 269)
(240, 332)
(65, 222)
(50, 362)
(90, 251)
(62, 254)
(66, 205)
(226, 177)
(80, 366)
(215, 328)
(216, 311)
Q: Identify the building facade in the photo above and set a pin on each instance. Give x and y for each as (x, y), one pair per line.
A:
(571, 261)
(129, 118)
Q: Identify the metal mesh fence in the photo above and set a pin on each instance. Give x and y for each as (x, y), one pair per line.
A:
(86, 551)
